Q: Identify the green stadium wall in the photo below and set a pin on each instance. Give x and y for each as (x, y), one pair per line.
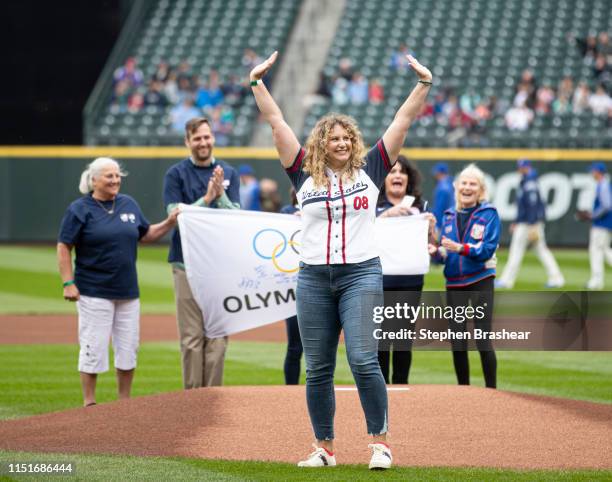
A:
(38, 183)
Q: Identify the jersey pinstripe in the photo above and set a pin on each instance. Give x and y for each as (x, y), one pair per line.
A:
(338, 219)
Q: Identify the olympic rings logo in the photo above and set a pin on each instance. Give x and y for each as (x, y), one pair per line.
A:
(279, 248)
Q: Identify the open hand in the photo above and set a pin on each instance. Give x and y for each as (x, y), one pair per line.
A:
(262, 69)
(422, 72)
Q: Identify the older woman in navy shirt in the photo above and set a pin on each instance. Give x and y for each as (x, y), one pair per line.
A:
(105, 227)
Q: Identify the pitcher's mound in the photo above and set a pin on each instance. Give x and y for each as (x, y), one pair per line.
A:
(430, 425)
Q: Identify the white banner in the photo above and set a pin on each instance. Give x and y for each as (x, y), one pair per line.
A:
(402, 244)
(242, 265)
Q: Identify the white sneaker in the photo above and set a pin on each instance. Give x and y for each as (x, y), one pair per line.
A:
(594, 285)
(381, 456)
(503, 285)
(319, 458)
(555, 284)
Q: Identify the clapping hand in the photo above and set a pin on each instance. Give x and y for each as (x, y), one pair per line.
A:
(219, 177)
(451, 245)
(215, 186)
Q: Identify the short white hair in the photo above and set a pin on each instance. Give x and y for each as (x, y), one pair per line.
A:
(93, 169)
(474, 171)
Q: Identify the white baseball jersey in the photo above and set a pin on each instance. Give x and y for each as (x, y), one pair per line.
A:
(338, 220)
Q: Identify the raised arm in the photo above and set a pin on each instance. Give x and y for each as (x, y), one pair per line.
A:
(396, 133)
(285, 140)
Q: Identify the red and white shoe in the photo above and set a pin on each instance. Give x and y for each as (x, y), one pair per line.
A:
(381, 456)
(319, 458)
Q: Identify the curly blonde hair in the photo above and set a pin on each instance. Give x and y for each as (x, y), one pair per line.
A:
(316, 160)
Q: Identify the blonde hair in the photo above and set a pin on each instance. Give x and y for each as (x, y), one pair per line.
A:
(93, 169)
(474, 171)
(315, 160)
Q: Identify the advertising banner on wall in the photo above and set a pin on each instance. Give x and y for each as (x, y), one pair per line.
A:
(52, 183)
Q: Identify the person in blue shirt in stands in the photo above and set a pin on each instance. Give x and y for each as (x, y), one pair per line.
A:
(468, 243)
(199, 180)
(529, 229)
(105, 227)
(443, 194)
(601, 227)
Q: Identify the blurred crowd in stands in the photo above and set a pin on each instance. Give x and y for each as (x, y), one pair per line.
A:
(348, 86)
(466, 112)
(571, 96)
(183, 93)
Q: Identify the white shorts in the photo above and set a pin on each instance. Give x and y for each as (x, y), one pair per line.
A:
(99, 319)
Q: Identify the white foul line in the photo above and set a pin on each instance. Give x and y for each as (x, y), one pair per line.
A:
(354, 389)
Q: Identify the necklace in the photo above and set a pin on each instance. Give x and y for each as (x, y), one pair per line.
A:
(112, 209)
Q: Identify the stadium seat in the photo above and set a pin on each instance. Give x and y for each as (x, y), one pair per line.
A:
(209, 34)
(484, 47)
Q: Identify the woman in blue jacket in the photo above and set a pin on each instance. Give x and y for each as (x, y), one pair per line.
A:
(468, 242)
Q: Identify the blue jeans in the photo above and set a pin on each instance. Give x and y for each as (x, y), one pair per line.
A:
(294, 352)
(338, 297)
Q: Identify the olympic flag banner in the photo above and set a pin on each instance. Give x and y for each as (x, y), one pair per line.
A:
(242, 266)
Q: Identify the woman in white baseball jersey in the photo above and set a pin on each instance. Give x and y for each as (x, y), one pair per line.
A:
(340, 281)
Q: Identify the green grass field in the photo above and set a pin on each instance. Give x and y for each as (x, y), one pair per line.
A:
(42, 378)
(30, 283)
(107, 468)
(38, 379)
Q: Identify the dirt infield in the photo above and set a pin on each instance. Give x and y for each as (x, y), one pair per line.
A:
(31, 329)
(431, 425)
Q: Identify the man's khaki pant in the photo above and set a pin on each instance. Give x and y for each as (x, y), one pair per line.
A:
(202, 358)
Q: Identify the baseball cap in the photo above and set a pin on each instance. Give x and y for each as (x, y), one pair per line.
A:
(523, 163)
(440, 168)
(245, 170)
(598, 166)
